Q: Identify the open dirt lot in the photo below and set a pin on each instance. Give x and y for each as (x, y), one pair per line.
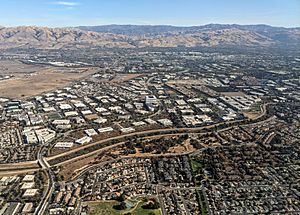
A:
(252, 115)
(69, 170)
(187, 82)
(31, 80)
(125, 77)
(232, 94)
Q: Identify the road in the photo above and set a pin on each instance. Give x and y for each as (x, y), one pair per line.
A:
(143, 133)
(148, 133)
(269, 138)
(42, 161)
(23, 166)
(40, 210)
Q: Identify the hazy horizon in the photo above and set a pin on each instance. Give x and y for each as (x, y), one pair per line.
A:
(130, 24)
(53, 13)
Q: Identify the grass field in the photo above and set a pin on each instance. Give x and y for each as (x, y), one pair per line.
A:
(195, 166)
(106, 208)
(256, 107)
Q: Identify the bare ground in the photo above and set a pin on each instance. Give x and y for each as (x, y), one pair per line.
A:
(71, 169)
(125, 77)
(31, 80)
(232, 94)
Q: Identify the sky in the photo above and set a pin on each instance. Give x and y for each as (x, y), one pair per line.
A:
(67, 13)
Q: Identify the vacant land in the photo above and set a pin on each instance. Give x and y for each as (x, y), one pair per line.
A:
(182, 148)
(14, 67)
(255, 112)
(187, 82)
(31, 80)
(69, 170)
(232, 94)
(251, 115)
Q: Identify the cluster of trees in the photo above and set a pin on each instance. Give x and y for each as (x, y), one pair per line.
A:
(121, 206)
(158, 146)
(152, 204)
(276, 140)
(122, 199)
(129, 148)
(196, 144)
(161, 145)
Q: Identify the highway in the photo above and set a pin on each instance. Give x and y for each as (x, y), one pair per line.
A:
(146, 133)
(30, 166)
(42, 161)
(40, 210)
(165, 131)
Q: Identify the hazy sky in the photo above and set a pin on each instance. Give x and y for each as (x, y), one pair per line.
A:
(175, 12)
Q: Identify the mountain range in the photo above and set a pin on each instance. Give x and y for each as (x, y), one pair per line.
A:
(139, 36)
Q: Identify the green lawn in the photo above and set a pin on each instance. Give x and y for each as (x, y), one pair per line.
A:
(195, 166)
(106, 208)
(202, 203)
(140, 211)
(255, 107)
(103, 208)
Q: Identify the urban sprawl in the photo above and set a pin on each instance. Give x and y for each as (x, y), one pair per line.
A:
(164, 131)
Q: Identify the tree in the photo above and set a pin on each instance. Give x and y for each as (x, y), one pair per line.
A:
(156, 205)
(123, 205)
(153, 204)
(121, 198)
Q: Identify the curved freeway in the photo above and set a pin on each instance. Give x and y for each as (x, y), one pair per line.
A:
(143, 133)
(32, 165)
